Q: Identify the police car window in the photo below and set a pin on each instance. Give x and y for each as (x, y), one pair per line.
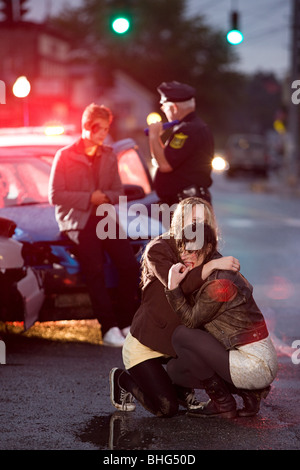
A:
(23, 182)
(132, 171)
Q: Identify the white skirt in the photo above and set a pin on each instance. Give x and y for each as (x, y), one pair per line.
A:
(253, 366)
(134, 352)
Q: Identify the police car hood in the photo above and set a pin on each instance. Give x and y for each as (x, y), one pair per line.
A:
(37, 223)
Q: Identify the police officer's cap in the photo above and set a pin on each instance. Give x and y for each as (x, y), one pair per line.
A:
(175, 92)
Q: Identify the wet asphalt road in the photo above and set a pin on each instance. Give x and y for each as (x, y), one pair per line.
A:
(55, 394)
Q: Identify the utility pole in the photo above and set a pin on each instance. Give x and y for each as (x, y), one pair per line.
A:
(294, 110)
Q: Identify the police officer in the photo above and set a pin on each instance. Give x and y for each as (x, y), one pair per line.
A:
(184, 160)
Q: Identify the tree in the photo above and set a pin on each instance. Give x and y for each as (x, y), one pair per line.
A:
(162, 45)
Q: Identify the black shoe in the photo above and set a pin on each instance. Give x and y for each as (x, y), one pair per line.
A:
(221, 403)
(120, 398)
(252, 399)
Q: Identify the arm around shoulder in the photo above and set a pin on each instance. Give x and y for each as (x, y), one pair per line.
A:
(207, 302)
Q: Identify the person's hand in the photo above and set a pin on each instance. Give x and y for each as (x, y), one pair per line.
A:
(225, 263)
(176, 274)
(155, 129)
(98, 197)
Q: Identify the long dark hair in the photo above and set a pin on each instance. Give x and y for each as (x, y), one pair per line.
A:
(209, 245)
(184, 208)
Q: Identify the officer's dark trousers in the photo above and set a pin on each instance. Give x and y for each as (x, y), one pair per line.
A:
(91, 256)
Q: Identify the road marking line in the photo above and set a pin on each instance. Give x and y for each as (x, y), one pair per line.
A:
(246, 223)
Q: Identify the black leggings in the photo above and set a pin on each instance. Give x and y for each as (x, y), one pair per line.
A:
(150, 384)
(199, 357)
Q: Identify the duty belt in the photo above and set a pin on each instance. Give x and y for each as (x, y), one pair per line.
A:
(194, 191)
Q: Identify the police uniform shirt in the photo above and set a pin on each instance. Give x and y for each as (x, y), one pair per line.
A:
(189, 151)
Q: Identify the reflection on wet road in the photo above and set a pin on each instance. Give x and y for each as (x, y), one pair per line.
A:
(117, 431)
(126, 431)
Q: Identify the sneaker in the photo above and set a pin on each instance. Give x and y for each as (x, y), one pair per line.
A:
(186, 398)
(117, 429)
(113, 337)
(119, 397)
(211, 409)
(125, 433)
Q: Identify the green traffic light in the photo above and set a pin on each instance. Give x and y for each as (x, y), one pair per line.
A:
(235, 37)
(121, 25)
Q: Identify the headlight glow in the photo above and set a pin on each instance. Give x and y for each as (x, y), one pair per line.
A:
(219, 164)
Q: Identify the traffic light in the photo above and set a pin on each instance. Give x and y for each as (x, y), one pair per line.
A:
(234, 36)
(13, 10)
(22, 8)
(6, 8)
(121, 24)
(120, 16)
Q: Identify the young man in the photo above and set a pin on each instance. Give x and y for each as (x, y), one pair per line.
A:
(85, 175)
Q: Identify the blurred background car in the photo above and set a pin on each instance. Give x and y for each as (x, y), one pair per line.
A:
(25, 165)
(247, 153)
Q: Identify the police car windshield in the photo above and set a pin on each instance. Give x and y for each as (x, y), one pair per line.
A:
(23, 181)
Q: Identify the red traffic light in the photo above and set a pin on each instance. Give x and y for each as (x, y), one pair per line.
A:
(6, 8)
(22, 8)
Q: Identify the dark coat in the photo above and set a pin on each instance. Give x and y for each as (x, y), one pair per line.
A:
(73, 179)
(189, 151)
(155, 320)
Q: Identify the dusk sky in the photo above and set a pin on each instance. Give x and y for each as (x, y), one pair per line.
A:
(265, 25)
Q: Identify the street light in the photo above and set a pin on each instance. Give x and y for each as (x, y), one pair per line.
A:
(21, 89)
(153, 117)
